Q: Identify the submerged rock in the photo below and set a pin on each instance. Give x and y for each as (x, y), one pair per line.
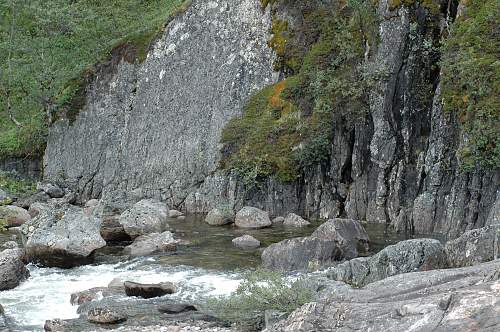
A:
(220, 216)
(146, 216)
(475, 246)
(348, 234)
(301, 253)
(246, 242)
(12, 268)
(62, 237)
(151, 244)
(105, 316)
(14, 216)
(252, 217)
(403, 257)
(295, 220)
(148, 291)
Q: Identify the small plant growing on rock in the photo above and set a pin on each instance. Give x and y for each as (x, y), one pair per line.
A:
(261, 290)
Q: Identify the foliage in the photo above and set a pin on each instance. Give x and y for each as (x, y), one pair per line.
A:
(16, 185)
(46, 48)
(260, 291)
(471, 82)
(288, 126)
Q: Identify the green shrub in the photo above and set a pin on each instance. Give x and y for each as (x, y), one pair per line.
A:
(260, 291)
(15, 185)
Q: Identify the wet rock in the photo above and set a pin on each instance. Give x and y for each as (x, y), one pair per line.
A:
(14, 216)
(220, 216)
(39, 197)
(148, 291)
(348, 234)
(10, 245)
(153, 243)
(12, 268)
(295, 220)
(54, 191)
(62, 237)
(251, 217)
(403, 257)
(175, 214)
(146, 216)
(55, 325)
(278, 221)
(95, 293)
(91, 206)
(301, 253)
(105, 316)
(246, 242)
(440, 300)
(175, 308)
(474, 246)
(112, 231)
(36, 208)
(116, 283)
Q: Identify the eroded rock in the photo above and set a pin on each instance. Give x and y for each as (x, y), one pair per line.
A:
(252, 217)
(220, 216)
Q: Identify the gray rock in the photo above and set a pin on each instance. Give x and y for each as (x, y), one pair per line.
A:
(12, 268)
(295, 220)
(403, 257)
(54, 191)
(116, 283)
(111, 229)
(146, 216)
(36, 208)
(175, 214)
(10, 245)
(55, 325)
(475, 246)
(148, 291)
(348, 234)
(153, 243)
(441, 300)
(105, 316)
(271, 317)
(26, 202)
(301, 253)
(14, 216)
(278, 221)
(175, 308)
(91, 206)
(251, 217)
(220, 216)
(246, 242)
(62, 237)
(95, 294)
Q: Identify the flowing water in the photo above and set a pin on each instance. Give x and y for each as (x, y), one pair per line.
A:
(208, 265)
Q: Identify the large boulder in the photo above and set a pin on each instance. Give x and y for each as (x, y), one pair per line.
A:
(251, 217)
(475, 246)
(14, 216)
(348, 234)
(220, 216)
(62, 236)
(403, 257)
(12, 268)
(246, 242)
(148, 291)
(53, 190)
(144, 217)
(26, 202)
(105, 316)
(301, 253)
(295, 220)
(153, 243)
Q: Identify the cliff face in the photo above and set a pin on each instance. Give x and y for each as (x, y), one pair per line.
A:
(153, 129)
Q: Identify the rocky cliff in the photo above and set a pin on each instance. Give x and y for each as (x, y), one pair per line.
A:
(153, 129)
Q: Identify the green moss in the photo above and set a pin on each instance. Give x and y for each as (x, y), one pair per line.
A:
(15, 185)
(432, 5)
(470, 82)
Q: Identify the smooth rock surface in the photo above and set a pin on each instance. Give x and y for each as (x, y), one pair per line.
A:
(278, 220)
(12, 268)
(251, 217)
(220, 216)
(246, 242)
(146, 216)
(153, 243)
(295, 220)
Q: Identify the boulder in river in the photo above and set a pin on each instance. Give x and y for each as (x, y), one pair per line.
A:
(474, 246)
(246, 242)
(295, 220)
(403, 257)
(12, 268)
(252, 217)
(153, 243)
(148, 291)
(105, 316)
(348, 234)
(144, 217)
(175, 214)
(278, 221)
(14, 216)
(220, 216)
(301, 253)
(62, 236)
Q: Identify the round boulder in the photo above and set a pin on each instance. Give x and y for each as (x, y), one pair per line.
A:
(105, 316)
(14, 216)
(151, 244)
(295, 220)
(220, 216)
(146, 216)
(12, 268)
(278, 221)
(246, 242)
(148, 291)
(252, 217)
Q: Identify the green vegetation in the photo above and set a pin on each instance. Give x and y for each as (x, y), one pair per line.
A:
(288, 126)
(471, 81)
(260, 291)
(47, 51)
(15, 185)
